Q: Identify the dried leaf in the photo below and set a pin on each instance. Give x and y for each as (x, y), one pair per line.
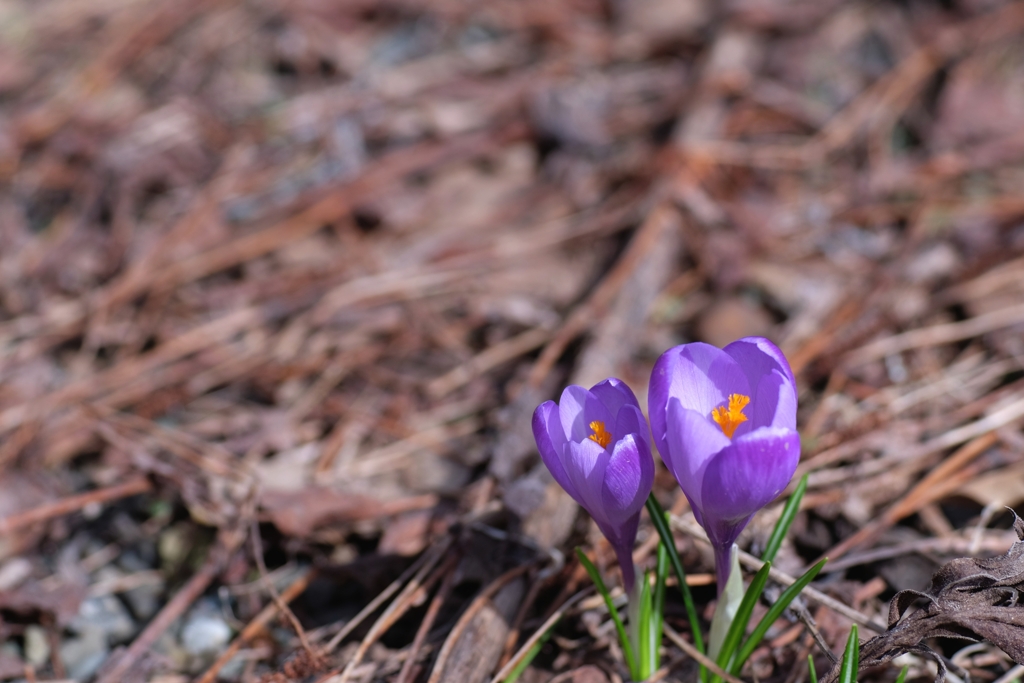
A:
(407, 534)
(31, 599)
(969, 599)
(1005, 485)
(298, 513)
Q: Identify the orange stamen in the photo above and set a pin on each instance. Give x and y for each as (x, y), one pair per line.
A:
(732, 417)
(600, 436)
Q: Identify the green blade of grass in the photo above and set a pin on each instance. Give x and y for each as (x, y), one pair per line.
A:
(774, 613)
(661, 573)
(530, 655)
(644, 630)
(851, 657)
(811, 672)
(785, 521)
(903, 675)
(658, 519)
(595, 576)
(742, 618)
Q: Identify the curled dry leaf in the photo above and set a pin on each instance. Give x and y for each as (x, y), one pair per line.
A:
(60, 602)
(970, 599)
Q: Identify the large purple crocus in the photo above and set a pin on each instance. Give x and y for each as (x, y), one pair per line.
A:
(597, 445)
(725, 423)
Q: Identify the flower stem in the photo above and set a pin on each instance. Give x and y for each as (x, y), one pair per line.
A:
(634, 627)
(724, 558)
(730, 595)
(625, 557)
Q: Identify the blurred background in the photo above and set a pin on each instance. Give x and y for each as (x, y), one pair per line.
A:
(282, 282)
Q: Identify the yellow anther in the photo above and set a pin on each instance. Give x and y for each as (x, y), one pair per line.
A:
(602, 437)
(732, 417)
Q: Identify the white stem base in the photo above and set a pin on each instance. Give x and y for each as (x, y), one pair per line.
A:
(728, 603)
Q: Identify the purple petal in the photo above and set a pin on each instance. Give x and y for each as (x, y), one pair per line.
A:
(547, 432)
(585, 463)
(631, 421)
(746, 349)
(692, 442)
(747, 475)
(614, 394)
(774, 391)
(577, 408)
(773, 401)
(571, 405)
(700, 376)
(628, 479)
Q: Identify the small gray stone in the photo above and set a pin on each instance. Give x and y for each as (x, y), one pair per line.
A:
(130, 561)
(83, 656)
(144, 601)
(205, 633)
(235, 666)
(37, 645)
(106, 615)
(13, 572)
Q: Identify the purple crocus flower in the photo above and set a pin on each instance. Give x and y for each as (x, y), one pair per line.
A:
(597, 445)
(724, 421)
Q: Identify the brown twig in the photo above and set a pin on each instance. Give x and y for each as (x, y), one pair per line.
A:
(402, 602)
(447, 569)
(662, 217)
(71, 504)
(282, 606)
(538, 634)
(258, 623)
(474, 608)
(381, 598)
(938, 334)
(711, 664)
(813, 594)
(189, 593)
(955, 544)
(924, 492)
(492, 357)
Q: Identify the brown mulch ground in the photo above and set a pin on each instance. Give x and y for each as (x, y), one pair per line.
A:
(282, 281)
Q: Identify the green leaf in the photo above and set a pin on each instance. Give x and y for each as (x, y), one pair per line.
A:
(785, 521)
(848, 670)
(742, 618)
(595, 576)
(645, 615)
(661, 573)
(530, 655)
(774, 613)
(658, 518)
(812, 674)
(903, 675)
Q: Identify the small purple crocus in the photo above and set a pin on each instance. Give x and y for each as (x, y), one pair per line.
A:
(597, 445)
(724, 421)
